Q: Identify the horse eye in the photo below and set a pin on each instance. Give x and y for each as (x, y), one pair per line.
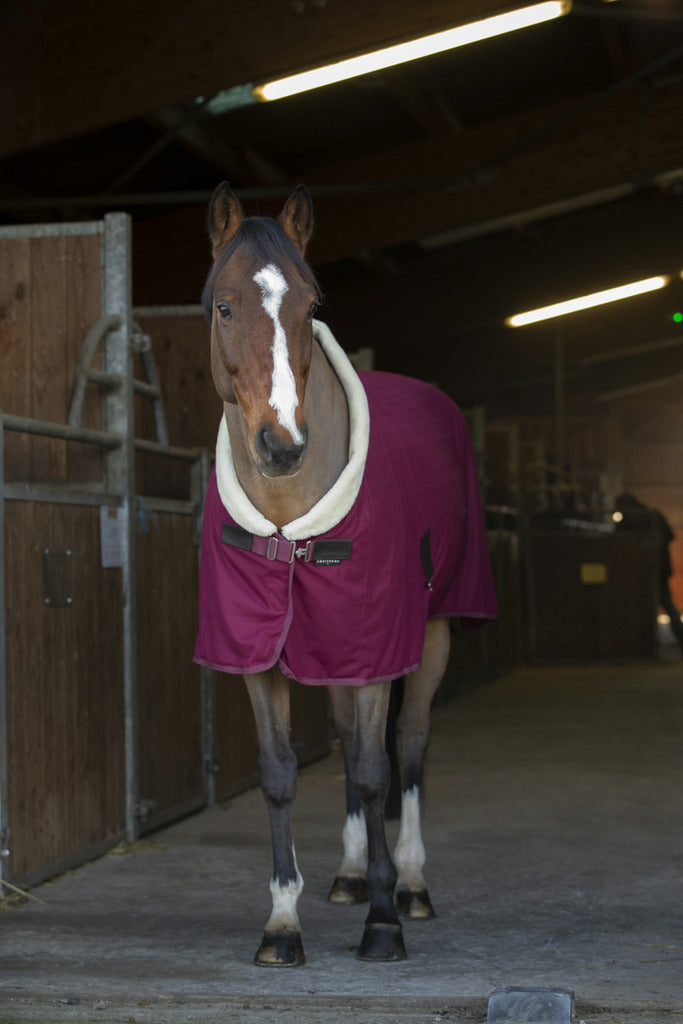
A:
(313, 309)
(224, 310)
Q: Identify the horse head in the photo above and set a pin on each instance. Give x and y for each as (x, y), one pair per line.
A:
(260, 298)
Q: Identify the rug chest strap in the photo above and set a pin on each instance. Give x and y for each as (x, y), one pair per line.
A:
(279, 549)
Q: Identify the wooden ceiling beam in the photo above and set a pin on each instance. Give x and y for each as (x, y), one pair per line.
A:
(597, 151)
(71, 66)
(600, 150)
(422, 100)
(234, 162)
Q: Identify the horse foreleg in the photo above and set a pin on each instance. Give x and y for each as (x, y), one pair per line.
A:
(269, 693)
(350, 885)
(369, 769)
(412, 897)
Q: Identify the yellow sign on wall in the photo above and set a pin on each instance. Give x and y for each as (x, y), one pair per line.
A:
(593, 572)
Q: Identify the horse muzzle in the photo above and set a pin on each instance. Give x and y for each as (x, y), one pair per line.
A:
(275, 457)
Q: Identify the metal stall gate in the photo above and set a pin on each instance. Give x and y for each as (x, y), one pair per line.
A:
(96, 679)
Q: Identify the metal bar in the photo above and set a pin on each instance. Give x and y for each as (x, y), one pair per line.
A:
(154, 393)
(168, 451)
(528, 215)
(91, 227)
(4, 765)
(112, 380)
(584, 106)
(199, 478)
(120, 475)
(61, 494)
(105, 380)
(141, 387)
(45, 428)
(635, 389)
(530, 644)
(173, 506)
(188, 309)
(632, 350)
(85, 357)
(559, 400)
(188, 116)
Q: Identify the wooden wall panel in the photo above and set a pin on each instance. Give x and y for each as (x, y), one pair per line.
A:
(653, 467)
(15, 334)
(180, 346)
(65, 695)
(82, 308)
(47, 356)
(49, 298)
(170, 725)
(573, 621)
(236, 746)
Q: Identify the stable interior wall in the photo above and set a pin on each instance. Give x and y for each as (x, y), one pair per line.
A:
(63, 661)
(652, 466)
(632, 442)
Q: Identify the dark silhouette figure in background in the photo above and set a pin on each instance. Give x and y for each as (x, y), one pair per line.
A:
(637, 516)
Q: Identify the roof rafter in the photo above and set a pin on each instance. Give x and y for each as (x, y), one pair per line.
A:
(602, 149)
(127, 59)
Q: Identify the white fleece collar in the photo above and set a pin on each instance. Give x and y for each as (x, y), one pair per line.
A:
(334, 505)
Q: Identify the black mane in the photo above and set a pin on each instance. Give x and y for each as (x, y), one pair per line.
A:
(266, 240)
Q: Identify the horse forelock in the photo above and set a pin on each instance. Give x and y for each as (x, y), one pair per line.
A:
(264, 239)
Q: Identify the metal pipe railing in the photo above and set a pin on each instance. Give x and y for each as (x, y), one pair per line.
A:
(166, 450)
(82, 435)
(92, 341)
(63, 431)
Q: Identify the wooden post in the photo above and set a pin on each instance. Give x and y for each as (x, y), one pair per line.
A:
(559, 401)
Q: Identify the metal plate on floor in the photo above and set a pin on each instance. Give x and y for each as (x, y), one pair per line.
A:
(530, 1006)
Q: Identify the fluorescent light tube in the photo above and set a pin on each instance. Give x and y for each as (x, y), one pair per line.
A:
(412, 50)
(624, 291)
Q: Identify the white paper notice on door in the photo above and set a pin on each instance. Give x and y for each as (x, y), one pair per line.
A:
(111, 537)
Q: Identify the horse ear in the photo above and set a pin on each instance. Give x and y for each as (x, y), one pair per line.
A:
(297, 218)
(225, 216)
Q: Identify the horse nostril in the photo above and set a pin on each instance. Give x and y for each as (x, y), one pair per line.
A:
(274, 452)
(263, 443)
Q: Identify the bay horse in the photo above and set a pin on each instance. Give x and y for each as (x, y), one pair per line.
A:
(342, 529)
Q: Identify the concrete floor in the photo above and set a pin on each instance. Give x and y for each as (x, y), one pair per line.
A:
(554, 831)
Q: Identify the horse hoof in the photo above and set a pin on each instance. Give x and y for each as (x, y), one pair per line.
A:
(382, 942)
(349, 889)
(414, 903)
(280, 949)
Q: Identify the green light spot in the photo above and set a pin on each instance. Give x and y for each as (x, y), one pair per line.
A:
(678, 318)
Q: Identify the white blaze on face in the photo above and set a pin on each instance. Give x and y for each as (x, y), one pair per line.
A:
(283, 396)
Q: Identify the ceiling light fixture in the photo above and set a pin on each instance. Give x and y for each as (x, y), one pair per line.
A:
(415, 49)
(624, 291)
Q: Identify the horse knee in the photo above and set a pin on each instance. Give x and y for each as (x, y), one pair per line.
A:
(371, 778)
(277, 772)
